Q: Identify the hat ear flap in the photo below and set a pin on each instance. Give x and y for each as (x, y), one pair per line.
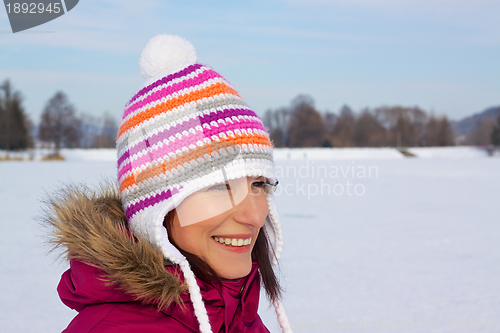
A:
(273, 230)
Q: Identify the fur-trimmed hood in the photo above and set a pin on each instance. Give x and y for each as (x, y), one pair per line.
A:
(112, 267)
(90, 227)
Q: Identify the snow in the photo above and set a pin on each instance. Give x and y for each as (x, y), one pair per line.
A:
(336, 153)
(104, 154)
(448, 152)
(372, 240)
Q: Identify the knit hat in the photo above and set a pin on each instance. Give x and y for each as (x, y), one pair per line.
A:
(187, 129)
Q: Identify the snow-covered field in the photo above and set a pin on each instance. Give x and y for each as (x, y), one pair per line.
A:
(372, 240)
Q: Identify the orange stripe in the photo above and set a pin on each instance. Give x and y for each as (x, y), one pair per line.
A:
(216, 89)
(156, 170)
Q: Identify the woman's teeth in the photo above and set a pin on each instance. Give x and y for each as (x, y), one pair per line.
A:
(233, 241)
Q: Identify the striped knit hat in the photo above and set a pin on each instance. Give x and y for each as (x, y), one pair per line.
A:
(186, 129)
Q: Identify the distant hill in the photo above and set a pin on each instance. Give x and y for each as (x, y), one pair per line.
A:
(464, 126)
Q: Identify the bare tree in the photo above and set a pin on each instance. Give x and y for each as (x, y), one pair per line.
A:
(481, 134)
(109, 131)
(330, 119)
(438, 132)
(342, 132)
(445, 134)
(430, 132)
(276, 123)
(59, 124)
(89, 129)
(306, 128)
(405, 126)
(367, 131)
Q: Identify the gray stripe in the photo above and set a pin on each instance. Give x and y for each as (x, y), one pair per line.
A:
(207, 166)
(220, 102)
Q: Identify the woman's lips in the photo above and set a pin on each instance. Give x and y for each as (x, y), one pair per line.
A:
(235, 243)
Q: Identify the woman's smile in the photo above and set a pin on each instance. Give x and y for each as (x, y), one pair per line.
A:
(234, 243)
(234, 240)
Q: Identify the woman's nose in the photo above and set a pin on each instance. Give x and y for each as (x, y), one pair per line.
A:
(252, 210)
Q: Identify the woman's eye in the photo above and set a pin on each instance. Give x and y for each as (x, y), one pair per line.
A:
(266, 186)
(259, 184)
(220, 187)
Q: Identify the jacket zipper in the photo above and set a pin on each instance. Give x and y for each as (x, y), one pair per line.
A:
(239, 303)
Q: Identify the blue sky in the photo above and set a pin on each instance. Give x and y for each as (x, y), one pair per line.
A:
(442, 55)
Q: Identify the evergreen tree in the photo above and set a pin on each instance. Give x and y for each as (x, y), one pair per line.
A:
(495, 134)
(14, 124)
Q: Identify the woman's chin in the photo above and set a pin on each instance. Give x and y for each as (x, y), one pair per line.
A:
(230, 262)
(232, 271)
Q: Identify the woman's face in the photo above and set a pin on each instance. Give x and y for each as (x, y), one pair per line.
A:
(220, 224)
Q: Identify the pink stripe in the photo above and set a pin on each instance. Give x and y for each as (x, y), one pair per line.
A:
(205, 76)
(150, 201)
(166, 79)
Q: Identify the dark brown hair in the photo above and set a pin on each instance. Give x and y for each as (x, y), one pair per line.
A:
(261, 253)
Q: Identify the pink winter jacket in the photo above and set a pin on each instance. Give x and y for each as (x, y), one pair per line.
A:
(119, 283)
(231, 308)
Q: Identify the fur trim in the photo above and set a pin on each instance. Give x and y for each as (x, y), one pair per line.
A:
(90, 226)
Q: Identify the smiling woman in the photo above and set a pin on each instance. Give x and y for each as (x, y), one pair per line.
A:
(194, 231)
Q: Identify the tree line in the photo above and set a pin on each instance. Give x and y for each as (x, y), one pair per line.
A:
(302, 125)
(59, 127)
(297, 125)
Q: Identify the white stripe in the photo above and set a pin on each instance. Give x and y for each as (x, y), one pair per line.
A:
(181, 92)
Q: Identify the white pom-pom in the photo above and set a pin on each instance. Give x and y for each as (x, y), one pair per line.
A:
(165, 52)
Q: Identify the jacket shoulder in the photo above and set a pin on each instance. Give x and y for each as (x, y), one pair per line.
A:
(124, 318)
